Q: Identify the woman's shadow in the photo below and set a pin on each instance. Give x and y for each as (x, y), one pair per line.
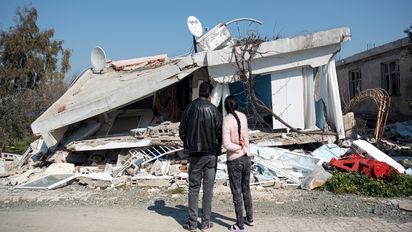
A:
(179, 213)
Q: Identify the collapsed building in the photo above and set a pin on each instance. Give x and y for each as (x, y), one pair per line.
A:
(120, 97)
(109, 117)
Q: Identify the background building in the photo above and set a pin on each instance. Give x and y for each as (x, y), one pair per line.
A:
(388, 67)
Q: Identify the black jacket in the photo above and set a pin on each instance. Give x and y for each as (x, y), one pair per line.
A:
(201, 128)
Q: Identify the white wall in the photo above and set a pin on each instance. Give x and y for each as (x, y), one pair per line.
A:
(287, 98)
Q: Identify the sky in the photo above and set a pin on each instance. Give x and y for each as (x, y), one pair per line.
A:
(130, 29)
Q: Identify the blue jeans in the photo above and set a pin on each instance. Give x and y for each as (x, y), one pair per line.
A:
(239, 179)
(201, 167)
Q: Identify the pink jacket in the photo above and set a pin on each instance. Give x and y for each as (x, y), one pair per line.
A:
(231, 137)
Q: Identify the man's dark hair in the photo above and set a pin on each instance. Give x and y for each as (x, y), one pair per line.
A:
(205, 89)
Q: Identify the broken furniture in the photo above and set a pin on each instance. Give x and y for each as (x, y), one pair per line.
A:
(357, 163)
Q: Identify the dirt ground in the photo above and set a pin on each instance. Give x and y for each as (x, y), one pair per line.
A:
(93, 208)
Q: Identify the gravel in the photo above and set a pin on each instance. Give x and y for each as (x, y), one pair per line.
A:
(268, 201)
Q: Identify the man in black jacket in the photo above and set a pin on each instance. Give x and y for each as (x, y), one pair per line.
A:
(201, 132)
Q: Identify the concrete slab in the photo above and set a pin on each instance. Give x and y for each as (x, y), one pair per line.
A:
(152, 181)
(98, 176)
(377, 154)
(107, 143)
(405, 205)
(60, 168)
(58, 157)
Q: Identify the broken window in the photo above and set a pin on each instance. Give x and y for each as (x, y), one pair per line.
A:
(391, 77)
(48, 182)
(355, 82)
(125, 121)
(135, 115)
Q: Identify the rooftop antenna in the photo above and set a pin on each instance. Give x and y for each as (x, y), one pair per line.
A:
(195, 27)
(244, 19)
(98, 59)
(245, 30)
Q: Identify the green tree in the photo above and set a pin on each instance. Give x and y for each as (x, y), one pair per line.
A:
(32, 68)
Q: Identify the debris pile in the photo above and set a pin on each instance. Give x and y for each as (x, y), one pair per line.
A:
(159, 161)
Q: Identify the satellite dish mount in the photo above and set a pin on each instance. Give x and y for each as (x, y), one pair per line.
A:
(195, 27)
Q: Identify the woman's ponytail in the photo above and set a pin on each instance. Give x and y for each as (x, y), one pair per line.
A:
(230, 106)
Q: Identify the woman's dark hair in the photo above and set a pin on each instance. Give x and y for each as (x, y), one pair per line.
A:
(230, 106)
(205, 89)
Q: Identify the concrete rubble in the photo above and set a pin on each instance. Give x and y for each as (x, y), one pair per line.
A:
(163, 165)
(59, 168)
(401, 130)
(153, 157)
(405, 205)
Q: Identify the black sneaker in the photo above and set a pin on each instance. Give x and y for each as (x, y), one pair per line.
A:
(236, 228)
(206, 227)
(249, 222)
(187, 226)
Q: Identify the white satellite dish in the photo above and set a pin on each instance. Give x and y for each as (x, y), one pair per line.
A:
(98, 59)
(194, 25)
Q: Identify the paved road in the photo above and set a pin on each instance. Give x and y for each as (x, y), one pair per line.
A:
(168, 218)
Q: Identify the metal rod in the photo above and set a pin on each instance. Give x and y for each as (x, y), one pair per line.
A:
(244, 19)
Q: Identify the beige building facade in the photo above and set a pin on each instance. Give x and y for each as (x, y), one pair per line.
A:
(388, 67)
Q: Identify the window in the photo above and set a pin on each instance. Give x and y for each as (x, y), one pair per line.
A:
(125, 121)
(355, 82)
(391, 77)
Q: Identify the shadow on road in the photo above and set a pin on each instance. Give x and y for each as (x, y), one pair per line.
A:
(179, 213)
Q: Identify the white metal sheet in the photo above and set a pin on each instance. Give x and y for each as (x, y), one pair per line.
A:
(287, 98)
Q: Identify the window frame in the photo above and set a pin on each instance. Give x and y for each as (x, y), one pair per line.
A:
(391, 77)
(355, 82)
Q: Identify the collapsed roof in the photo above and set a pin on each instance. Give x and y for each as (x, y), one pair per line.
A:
(95, 93)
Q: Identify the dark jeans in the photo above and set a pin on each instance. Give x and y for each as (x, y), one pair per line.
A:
(201, 167)
(239, 178)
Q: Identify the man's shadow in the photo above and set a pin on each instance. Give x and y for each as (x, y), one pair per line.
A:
(179, 213)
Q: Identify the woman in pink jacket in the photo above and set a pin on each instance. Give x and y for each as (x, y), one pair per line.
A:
(236, 142)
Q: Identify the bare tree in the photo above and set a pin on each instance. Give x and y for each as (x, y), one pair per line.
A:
(244, 51)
